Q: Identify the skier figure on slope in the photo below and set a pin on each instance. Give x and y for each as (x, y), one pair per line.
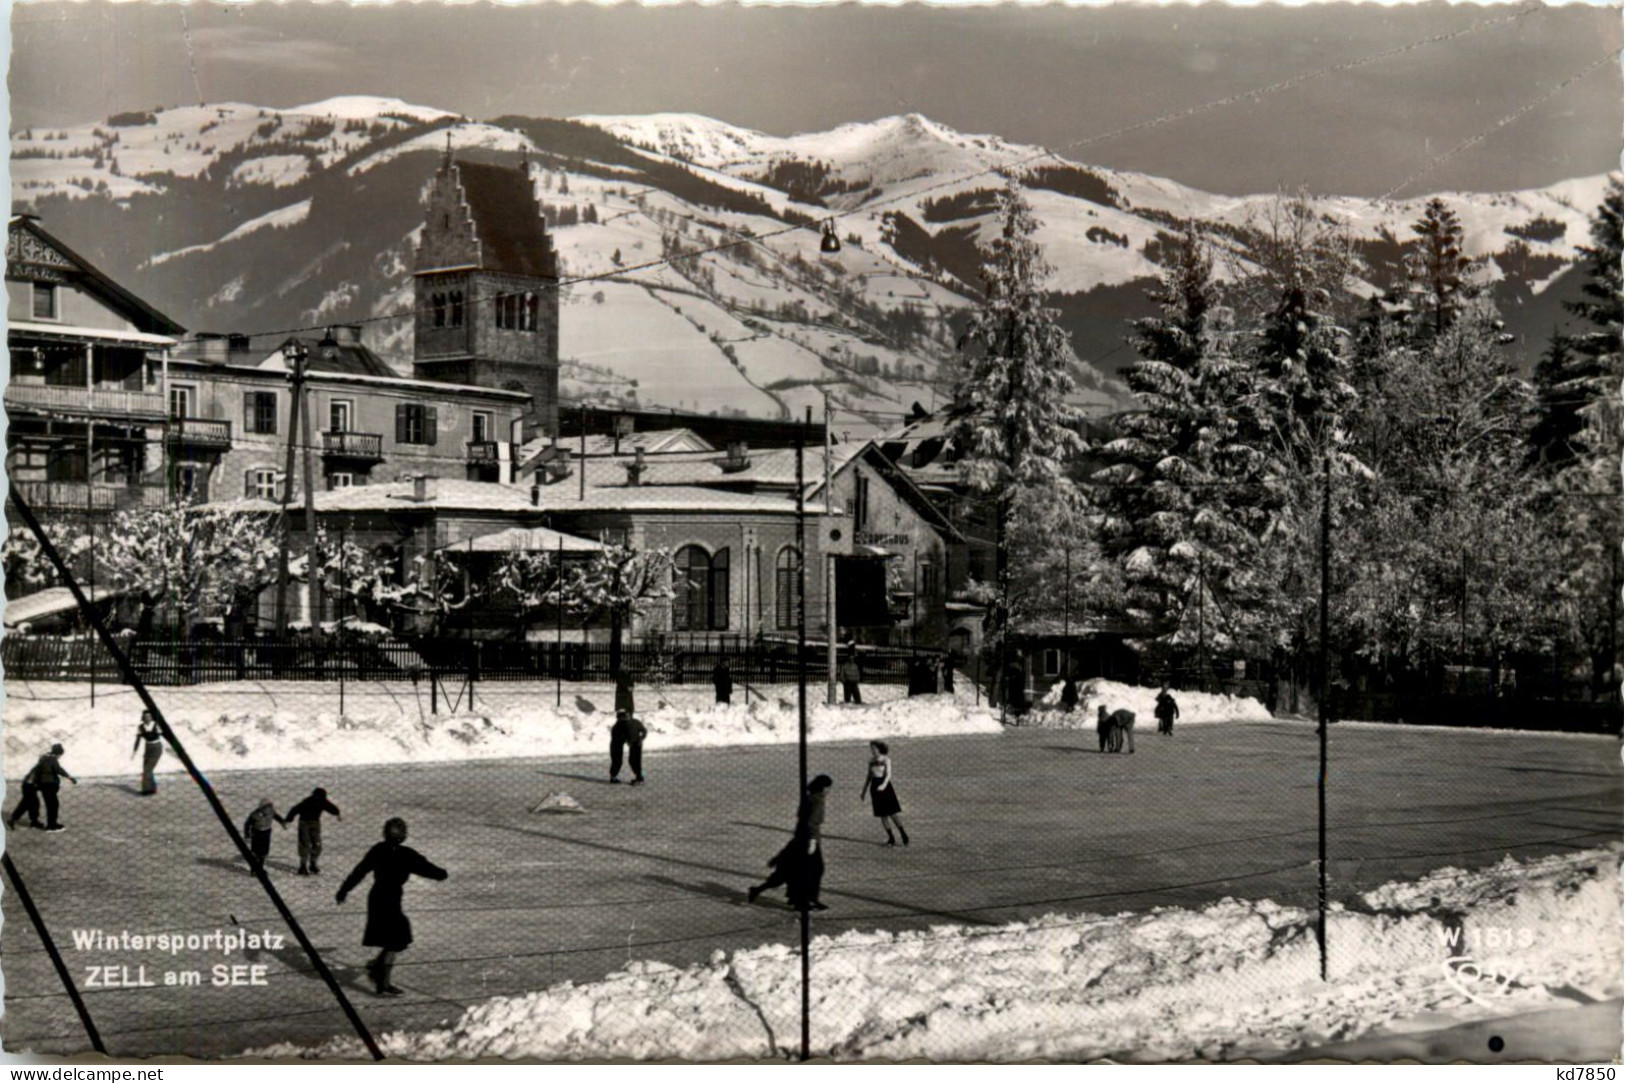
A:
(391, 864)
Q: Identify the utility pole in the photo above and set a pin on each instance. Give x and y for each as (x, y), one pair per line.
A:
(294, 353)
(1201, 618)
(801, 705)
(829, 562)
(581, 468)
(1322, 692)
(310, 502)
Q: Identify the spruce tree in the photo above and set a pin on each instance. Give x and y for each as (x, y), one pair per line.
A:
(1438, 271)
(1011, 427)
(1176, 513)
(1581, 371)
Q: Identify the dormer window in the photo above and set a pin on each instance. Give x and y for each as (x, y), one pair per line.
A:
(45, 301)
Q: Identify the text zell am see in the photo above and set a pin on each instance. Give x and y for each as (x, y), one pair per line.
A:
(114, 969)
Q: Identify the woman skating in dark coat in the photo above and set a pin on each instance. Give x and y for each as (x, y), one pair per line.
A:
(391, 863)
(882, 794)
(800, 865)
(147, 732)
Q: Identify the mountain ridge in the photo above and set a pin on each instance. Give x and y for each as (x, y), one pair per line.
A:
(262, 218)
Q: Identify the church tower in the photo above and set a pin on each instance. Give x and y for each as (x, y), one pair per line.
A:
(486, 288)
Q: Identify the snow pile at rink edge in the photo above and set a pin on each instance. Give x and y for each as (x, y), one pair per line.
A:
(377, 730)
(1229, 980)
(1194, 707)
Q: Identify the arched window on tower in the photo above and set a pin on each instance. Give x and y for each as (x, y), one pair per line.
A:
(456, 308)
(438, 304)
(533, 309)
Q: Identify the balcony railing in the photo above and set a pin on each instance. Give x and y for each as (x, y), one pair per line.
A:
(367, 446)
(88, 402)
(482, 451)
(203, 432)
(89, 496)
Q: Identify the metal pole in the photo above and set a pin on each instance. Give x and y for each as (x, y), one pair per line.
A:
(831, 663)
(1201, 618)
(310, 514)
(338, 619)
(558, 618)
(293, 352)
(581, 481)
(62, 974)
(801, 708)
(90, 528)
(1325, 622)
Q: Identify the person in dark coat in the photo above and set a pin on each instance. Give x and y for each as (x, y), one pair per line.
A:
(308, 813)
(626, 734)
(48, 775)
(723, 680)
(1069, 694)
(877, 784)
(149, 734)
(1015, 685)
(947, 674)
(391, 864)
(28, 805)
(1167, 711)
(799, 866)
(1115, 727)
(623, 692)
(257, 830)
(850, 676)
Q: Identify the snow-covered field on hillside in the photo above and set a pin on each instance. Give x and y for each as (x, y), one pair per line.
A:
(248, 725)
(1230, 980)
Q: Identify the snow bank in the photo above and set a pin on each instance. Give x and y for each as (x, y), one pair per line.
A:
(1194, 707)
(1229, 980)
(226, 727)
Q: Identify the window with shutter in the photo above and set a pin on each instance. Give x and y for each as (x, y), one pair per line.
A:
(786, 584)
(248, 412)
(719, 592)
(431, 426)
(400, 423)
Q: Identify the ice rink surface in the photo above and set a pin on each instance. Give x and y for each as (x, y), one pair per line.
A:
(1004, 827)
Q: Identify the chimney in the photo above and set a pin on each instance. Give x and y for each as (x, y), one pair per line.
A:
(211, 347)
(738, 457)
(634, 469)
(423, 488)
(238, 348)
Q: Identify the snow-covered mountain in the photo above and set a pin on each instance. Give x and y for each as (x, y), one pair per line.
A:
(250, 218)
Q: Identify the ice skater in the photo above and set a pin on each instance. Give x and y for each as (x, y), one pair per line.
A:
(391, 864)
(149, 734)
(799, 866)
(882, 794)
(623, 692)
(48, 775)
(308, 813)
(28, 805)
(257, 830)
(1115, 728)
(1167, 711)
(626, 734)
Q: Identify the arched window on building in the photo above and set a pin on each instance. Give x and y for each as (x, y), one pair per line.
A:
(456, 308)
(700, 590)
(787, 588)
(438, 303)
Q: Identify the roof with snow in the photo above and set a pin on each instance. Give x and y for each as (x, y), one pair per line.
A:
(654, 442)
(565, 496)
(524, 539)
(441, 494)
(342, 355)
(507, 219)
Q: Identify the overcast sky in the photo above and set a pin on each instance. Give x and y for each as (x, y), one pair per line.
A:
(1051, 76)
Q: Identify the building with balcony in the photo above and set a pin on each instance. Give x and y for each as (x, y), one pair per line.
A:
(86, 401)
(367, 425)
